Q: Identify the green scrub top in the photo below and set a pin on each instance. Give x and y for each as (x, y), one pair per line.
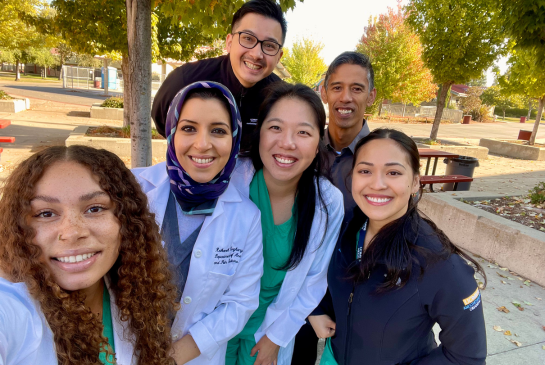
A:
(108, 331)
(277, 246)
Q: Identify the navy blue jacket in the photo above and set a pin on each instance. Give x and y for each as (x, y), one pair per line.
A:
(216, 69)
(395, 327)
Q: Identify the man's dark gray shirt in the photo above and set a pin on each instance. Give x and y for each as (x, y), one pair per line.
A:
(340, 167)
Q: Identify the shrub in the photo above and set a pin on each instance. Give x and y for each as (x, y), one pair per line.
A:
(4, 96)
(113, 102)
(537, 193)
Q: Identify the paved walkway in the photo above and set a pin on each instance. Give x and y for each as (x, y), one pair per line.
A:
(49, 123)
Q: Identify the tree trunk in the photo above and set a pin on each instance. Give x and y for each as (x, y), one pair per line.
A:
(445, 87)
(17, 74)
(529, 109)
(380, 107)
(503, 114)
(62, 63)
(127, 107)
(538, 120)
(139, 90)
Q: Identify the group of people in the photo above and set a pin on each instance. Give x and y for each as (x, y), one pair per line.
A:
(263, 231)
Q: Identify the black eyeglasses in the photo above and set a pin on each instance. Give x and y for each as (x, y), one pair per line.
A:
(249, 41)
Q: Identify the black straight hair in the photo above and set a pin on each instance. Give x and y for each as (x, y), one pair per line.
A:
(308, 188)
(266, 8)
(395, 244)
(352, 58)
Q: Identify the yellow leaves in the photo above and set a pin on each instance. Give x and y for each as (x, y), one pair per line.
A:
(503, 309)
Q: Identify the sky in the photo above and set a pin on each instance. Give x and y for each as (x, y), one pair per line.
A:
(339, 24)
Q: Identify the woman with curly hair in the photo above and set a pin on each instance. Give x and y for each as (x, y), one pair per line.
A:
(83, 275)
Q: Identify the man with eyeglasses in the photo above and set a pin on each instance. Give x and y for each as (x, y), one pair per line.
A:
(258, 30)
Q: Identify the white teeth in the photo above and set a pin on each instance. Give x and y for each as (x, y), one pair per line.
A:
(202, 160)
(74, 259)
(378, 200)
(252, 66)
(283, 160)
(345, 111)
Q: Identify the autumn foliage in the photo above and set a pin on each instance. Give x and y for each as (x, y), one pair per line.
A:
(395, 52)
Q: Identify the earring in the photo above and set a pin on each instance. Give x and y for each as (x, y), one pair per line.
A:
(60, 237)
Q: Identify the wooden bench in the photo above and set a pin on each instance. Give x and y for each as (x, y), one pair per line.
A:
(433, 179)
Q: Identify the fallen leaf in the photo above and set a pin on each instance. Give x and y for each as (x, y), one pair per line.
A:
(505, 310)
(503, 276)
(527, 303)
(538, 298)
(510, 278)
(527, 282)
(516, 304)
(543, 347)
(503, 268)
(515, 342)
(498, 328)
(503, 282)
(520, 308)
(507, 333)
(543, 328)
(521, 279)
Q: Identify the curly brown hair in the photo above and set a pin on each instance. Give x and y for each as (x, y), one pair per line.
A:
(140, 278)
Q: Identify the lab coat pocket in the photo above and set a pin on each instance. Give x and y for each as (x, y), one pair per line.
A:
(216, 285)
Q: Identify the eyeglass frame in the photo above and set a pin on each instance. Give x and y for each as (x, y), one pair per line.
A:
(258, 41)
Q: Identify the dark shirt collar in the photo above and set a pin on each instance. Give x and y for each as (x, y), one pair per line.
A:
(364, 131)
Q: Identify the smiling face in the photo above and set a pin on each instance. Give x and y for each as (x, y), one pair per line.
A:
(252, 65)
(203, 138)
(289, 140)
(75, 226)
(383, 181)
(348, 95)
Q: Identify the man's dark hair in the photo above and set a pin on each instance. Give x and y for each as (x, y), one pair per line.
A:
(267, 8)
(352, 58)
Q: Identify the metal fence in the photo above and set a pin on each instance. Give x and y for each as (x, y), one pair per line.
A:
(78, 77)
(421, 111)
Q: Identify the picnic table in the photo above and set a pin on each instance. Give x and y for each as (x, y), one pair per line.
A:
(4, 123)
(431, 153)
(433, 179)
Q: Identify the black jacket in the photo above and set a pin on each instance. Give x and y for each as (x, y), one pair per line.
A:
(217, 69)
(396, 327)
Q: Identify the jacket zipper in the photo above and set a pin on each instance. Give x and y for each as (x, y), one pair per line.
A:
(347, 344)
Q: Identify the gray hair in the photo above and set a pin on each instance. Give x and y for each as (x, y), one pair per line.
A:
(352, 58)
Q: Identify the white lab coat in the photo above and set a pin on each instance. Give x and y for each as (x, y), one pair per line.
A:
(25, 335)
(222, 287)
(303, 287)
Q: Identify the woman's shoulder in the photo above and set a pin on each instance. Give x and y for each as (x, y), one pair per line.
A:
(330, 193)
(150, 177)
(23, 326)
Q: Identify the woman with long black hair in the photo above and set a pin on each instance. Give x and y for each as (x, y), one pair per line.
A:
(301, 215)
(394, 274)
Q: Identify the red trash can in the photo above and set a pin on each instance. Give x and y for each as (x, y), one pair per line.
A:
(523, 119)
(97, 82)
(467, 119)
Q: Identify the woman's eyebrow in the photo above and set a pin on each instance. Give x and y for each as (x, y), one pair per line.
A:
(90, 196)
(45, 198)
(386, 164)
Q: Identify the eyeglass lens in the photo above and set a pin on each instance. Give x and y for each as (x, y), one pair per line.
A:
(249, 41)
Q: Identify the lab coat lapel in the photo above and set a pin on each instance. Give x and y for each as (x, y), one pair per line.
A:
(123, 338)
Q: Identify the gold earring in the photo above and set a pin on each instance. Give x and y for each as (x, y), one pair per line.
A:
(60, 237)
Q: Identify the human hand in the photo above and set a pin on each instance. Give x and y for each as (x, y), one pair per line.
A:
(322, 325)
(267, 352)
(185, 350)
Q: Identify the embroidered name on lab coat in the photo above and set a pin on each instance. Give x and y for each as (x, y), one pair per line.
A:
(224, 256)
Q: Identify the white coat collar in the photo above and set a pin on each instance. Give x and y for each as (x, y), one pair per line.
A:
(158, 196)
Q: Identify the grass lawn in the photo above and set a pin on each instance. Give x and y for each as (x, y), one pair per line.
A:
(516, 120)
(8, 76)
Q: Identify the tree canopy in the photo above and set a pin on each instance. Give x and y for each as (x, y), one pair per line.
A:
(303, 62)
(496, 96)
(461, 39)
(395, 52)
(525, 76)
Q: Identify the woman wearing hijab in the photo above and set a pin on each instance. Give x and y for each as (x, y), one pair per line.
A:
(211, 232)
